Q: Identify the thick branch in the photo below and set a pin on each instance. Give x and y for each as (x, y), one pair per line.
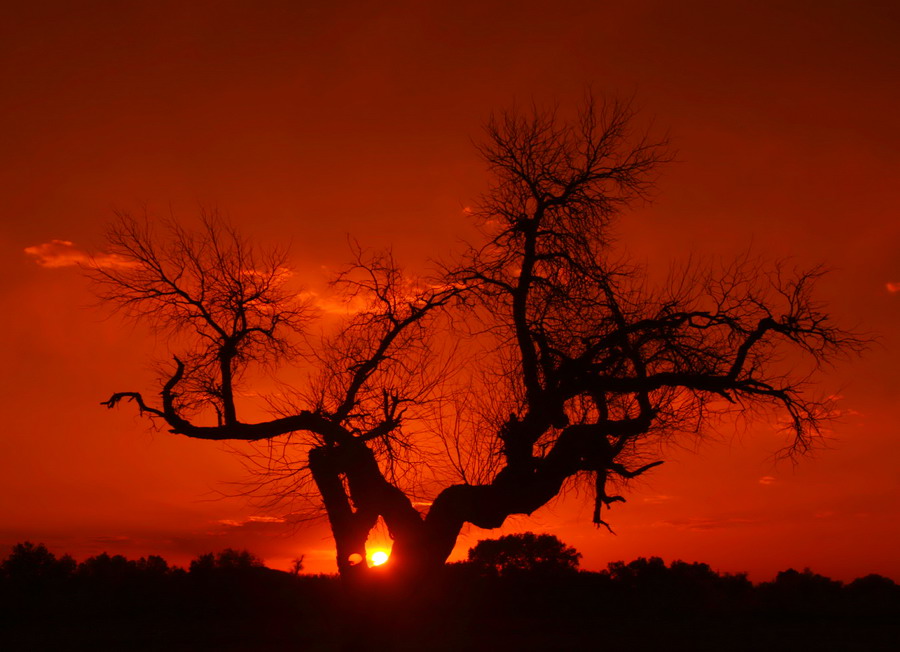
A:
(304, 420)
(514, 492)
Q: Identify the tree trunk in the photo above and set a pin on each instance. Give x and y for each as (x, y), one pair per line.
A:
(356, 494)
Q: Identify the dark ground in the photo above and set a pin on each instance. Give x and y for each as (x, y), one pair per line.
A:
(640, 606)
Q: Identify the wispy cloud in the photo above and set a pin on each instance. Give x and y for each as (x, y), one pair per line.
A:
(710, 523)
(838, 412)
(892, 287)
(335, 306)
(64, 253)
(657, 500)
(110, 540)
(767, 480)
(252, 520)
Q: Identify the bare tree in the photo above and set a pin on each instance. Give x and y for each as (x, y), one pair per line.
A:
(569, 365)
(226, 303)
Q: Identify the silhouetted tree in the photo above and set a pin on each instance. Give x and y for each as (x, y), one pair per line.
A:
(541, 358)
(204, 563)
(805, 592)
(523, 553)
(231, 559)
(228, 559)
(875, 585)
(679, 586)
(874, 595)
(30, 564)
(107, 569)
(153, 565)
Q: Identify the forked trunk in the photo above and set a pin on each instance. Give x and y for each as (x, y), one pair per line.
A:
(355, 494)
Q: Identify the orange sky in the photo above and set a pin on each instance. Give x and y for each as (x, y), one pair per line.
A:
(309, 121)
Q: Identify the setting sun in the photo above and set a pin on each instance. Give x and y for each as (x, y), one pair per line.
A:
(379, 557)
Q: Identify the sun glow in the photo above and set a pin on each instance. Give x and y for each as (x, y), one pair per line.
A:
(379, 557)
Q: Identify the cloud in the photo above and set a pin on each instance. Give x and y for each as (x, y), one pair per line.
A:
(712, 523)
(250, 521)
(892, 287)
(63, 253)
(110, 540)
(657, 500)
(837, 412)
(57, 253)
(336, 306)
(766, 480)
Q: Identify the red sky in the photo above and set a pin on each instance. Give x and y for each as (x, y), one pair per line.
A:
(310, 121)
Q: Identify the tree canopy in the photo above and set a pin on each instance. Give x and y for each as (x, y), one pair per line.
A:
(523, 553)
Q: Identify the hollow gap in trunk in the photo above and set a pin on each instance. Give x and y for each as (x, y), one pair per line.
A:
(379, 544)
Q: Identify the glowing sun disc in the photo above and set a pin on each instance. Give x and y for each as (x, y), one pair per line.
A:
(379, 557)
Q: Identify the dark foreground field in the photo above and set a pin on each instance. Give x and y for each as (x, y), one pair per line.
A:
(645, 605)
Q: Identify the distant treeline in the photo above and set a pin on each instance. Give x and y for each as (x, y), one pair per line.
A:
(230, 599)
(31, 575)
(223, 601)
